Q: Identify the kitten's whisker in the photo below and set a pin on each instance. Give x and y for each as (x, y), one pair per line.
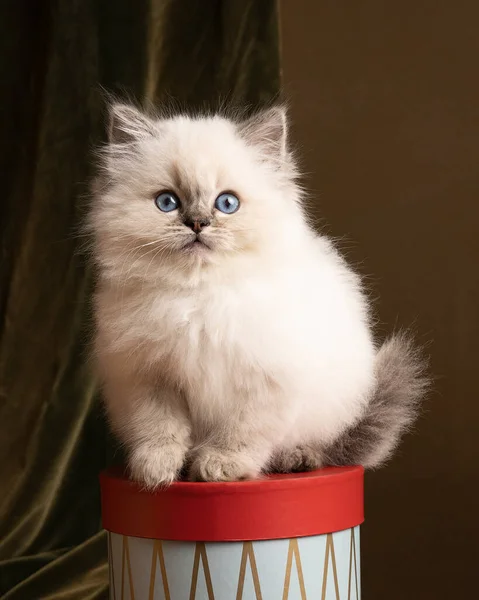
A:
(125, 278)
(149, 243)
(158, 251)
(138, 258)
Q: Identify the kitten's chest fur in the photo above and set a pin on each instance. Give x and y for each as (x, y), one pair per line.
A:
(286, 333)
(208, 342)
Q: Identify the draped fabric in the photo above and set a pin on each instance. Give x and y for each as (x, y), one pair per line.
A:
(57, 59)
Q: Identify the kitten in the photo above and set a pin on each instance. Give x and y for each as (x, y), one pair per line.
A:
(231, 337)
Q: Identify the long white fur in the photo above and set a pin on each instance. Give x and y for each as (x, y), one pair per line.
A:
(224, 358)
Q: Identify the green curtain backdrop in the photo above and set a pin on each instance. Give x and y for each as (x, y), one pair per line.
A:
(56, 56)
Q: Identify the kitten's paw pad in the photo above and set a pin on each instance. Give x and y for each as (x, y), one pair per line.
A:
(296, 460)
(217, 465)
(156, 466)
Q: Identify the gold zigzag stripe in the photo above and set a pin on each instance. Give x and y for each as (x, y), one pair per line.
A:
(330, 551)
(157, 554)
(200, 552)
(126, 559)
(293, 551)
(248, 552)
(352, 556)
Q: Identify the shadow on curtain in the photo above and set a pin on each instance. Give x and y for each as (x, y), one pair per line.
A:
(55, 57)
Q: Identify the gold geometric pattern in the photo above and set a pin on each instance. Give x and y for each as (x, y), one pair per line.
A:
(200, 552)
(248, 555)
(158, 555)
(294, 551)
(330, 551)
(126, 559)
(248, 552)
(352, 553)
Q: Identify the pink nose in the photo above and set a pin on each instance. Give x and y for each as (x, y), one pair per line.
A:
(196, 224)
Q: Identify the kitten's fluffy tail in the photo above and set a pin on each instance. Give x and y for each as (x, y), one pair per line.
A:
(401, 386)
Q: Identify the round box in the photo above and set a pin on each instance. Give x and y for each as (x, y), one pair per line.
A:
(282, 537)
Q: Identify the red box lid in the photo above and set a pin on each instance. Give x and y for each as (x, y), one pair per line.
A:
(278, 506)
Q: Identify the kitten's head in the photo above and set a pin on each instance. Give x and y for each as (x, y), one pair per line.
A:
(182, 192)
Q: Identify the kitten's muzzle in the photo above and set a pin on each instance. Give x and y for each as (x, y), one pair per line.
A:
(197, 225)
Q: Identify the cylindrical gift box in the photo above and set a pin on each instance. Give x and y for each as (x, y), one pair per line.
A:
(283, 537)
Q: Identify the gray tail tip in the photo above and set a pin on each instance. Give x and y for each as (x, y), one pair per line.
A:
(402, 382)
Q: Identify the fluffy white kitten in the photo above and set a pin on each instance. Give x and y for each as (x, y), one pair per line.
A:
(231, 338)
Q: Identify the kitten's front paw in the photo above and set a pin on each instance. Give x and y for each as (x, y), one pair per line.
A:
(298, 459)
(212, 464)
(155, 466)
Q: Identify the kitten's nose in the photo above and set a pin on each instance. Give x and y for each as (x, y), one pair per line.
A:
(196, 224)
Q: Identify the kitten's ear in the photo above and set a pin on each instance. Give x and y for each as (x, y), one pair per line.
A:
(268, 130)
(127, 124)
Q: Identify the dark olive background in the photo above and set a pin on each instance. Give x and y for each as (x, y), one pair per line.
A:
(385, 105)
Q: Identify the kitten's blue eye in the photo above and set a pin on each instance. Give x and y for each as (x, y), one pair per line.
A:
(227, 203)
(167, 202)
